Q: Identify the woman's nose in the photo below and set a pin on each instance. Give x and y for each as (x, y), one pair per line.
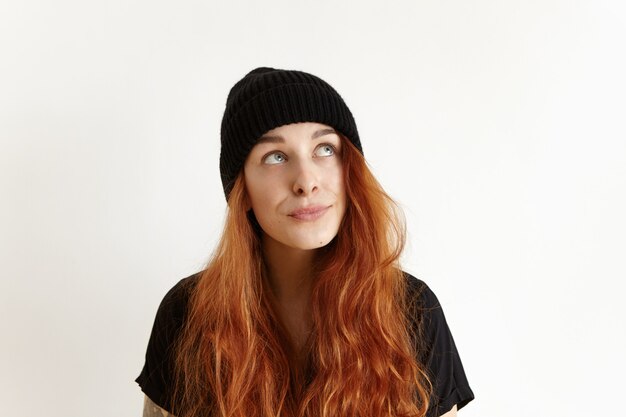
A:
(306, 179)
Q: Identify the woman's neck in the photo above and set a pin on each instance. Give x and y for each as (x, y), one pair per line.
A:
(290, 271)
(290, 275)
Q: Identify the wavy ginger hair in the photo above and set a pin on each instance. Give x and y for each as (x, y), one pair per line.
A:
(234, 357)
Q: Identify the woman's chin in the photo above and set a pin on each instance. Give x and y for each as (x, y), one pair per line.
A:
(309, 242)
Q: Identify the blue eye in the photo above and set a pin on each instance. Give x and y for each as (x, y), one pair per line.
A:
(327, 149)
(274, 158)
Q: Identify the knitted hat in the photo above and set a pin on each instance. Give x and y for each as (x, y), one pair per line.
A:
(267, 98)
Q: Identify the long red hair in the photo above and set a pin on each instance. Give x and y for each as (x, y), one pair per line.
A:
(234, 359)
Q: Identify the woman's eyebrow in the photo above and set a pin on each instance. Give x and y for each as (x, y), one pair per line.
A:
(280, 139)
(322, 132)
(270, 139)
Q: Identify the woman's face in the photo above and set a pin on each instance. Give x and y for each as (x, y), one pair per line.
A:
(294, 182)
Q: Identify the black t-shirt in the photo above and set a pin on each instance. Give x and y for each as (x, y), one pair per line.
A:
(442, 359)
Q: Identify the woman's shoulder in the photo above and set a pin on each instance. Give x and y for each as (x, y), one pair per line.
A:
(437, 350)
(424, 309)
(173, 306)
(419, 292)
(156, 376)
(182, 289)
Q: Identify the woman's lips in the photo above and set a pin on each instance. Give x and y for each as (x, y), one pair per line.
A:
(309, 213)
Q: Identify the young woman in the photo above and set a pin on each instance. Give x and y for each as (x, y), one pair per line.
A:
(303, 309)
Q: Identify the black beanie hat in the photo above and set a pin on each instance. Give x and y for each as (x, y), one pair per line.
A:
(267, 98)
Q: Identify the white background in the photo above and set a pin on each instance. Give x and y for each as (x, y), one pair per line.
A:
(497, 125)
